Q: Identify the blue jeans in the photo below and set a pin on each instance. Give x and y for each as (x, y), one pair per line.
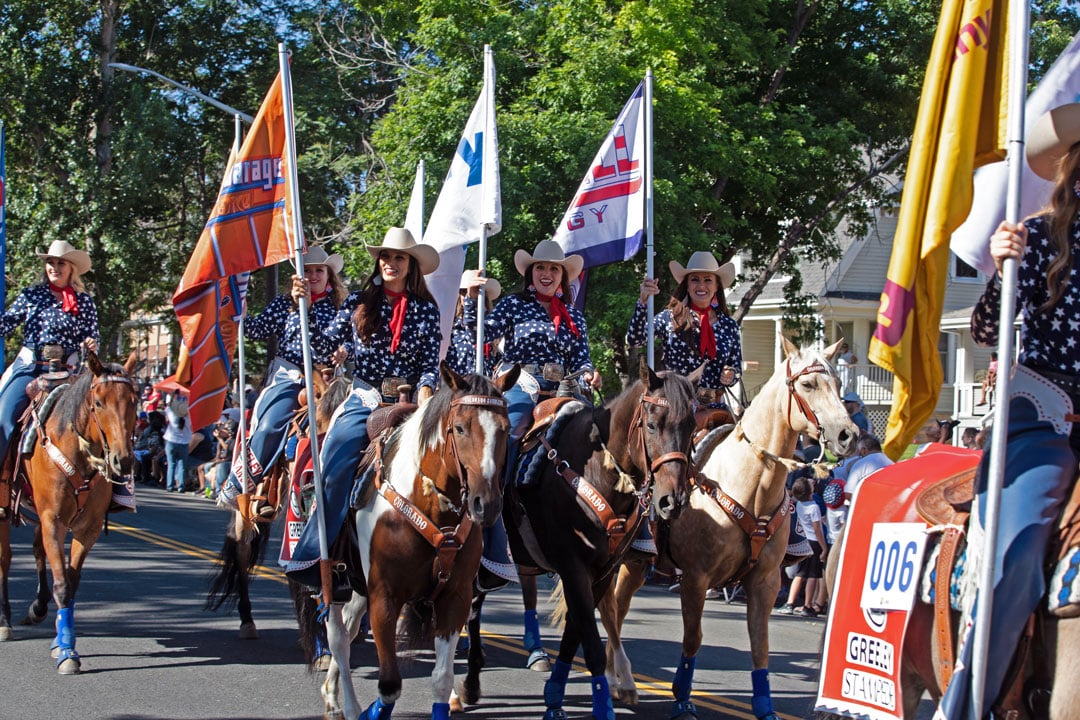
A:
(340, 455)
(274, 410)
(176, 457)
(13, 399)
(1040, 466)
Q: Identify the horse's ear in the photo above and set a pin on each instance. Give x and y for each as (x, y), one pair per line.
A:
(648, 378)
(132, 361)
(449, 377)
(695, 377)
(94, 363)
(833, 350)
(508, 379)
(790, 348)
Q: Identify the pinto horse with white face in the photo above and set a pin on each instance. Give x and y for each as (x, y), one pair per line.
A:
(736, 525)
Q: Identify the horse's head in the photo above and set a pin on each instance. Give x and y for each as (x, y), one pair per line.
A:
(111, 403)
(812, 403)
(660, 433)
(476, 428)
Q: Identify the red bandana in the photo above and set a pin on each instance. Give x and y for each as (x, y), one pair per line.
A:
(316, 297)
(67, 295)
(707, 343)
(558, 312)
(397, 320)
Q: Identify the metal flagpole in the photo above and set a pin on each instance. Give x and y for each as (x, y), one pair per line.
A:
(245, 476)
(3, 225)
(305, 332)
(1018, 57)
(650, 351)
(481, 299)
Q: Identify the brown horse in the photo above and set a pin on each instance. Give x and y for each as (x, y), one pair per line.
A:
(736, 526)
(85, 446)
(419, 541)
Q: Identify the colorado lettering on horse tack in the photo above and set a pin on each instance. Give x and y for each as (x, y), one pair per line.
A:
(729, 505)
(870, 689)
(265, 171)
(410, 514)
(587, 492)
(870, 652)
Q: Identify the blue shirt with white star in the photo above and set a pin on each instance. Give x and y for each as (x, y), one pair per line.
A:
(282, 318)
(681, 349)
(529, 335)
(417, 356)
(461, 353)
(1049, 338)
(45, 323)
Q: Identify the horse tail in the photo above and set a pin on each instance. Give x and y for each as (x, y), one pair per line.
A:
(557, 619)
(306, 607)
(416, 627)
(236, 567)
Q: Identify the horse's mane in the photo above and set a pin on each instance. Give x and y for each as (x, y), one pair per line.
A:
(69, 405)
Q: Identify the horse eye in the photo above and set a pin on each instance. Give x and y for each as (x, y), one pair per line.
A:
(651, 426)
(807, 384)
(459, 429)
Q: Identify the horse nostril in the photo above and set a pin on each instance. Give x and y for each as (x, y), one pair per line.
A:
(478, 507)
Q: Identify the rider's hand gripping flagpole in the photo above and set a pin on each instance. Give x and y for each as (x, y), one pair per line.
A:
(1018, 59)
(295, 228)
(650, 350)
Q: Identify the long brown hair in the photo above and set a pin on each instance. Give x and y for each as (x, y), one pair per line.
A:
(337, 289)
(368, 315)
(1060, 215)
(679, 305)
(564, 284)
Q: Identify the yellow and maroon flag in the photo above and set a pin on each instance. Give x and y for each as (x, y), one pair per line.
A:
(249, 228)
(960, 125)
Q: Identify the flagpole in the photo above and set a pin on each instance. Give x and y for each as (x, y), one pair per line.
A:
(3, 226)
(245, 476)
(1018, 57)
(649, 269)
(297, 230)
(481, 300)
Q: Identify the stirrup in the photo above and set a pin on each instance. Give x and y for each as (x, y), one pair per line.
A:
(683, 707)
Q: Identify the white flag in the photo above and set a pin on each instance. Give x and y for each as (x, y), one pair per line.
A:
(414, 217)
(606, 219)
(469, 201)
(971, 241)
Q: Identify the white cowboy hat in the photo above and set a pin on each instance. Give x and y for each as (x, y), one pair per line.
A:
(492, 290)
(1050, 139)
(551, 252)
(702, 261)
(401, 239)
(316, 255)
(65, 250)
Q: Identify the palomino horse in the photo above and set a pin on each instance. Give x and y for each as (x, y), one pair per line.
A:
(736, 524)
(245, 540)
(601, 475)
(419, 543)
(85, 446)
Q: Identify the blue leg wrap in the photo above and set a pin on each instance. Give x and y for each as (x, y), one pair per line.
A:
(65, 628)
(601, 699)
(440, 711)
(320, 642)
(67, 653)
(761, 703)
(555, 687)
(378, 711)
(684, 678)
(682, 708)
(531, 639)
(555, 714)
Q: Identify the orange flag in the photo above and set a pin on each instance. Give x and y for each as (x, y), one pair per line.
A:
(960, 125)
(249, 228)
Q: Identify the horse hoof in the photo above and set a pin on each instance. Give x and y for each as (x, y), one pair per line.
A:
(69, 667)
(55, 652)
(456, 706)
(465, 693)
(626, 696)
(321, 664)
(248, 631)
(538, 661)
(6, 634)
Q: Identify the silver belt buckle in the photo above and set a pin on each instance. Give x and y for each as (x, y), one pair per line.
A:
(553, 372)
(390, 386)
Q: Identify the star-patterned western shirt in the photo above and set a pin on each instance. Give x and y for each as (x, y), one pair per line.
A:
(681, 352)
(529, 336)
(461, 354)
(282, 318)
(417, 356)
(44, 323)
(1048, 339)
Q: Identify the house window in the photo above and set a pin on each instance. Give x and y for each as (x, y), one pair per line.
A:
(962, 270)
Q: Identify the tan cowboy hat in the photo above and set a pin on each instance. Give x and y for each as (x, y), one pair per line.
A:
(316, 255)
(65, 250)
(1050, 139)
(492, 290)
(401, 239)
(702, 261)
(549, 251)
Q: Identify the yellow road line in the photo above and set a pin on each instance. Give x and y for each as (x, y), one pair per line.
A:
(645, 683)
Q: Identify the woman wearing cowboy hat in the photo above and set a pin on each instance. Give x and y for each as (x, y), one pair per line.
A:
(1043, 445)
(57, 314)
(461, 354)
(695, 326)
(396, 336)
(277, 403)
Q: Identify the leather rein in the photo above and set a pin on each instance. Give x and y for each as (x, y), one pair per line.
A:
(447, 541)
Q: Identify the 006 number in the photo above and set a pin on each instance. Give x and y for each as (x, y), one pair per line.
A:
(892, 566)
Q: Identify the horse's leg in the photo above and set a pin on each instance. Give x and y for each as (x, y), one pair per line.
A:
(342, 624)
(693, 586)
(761, 589)
(246, 554)
(65, 582)
(613, 609)
(538, 660)
(5, 569)
(442, 676)
(467, 692)
(39, 608)
(581, 621)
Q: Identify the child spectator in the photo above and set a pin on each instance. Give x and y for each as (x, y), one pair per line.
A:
(810, 569)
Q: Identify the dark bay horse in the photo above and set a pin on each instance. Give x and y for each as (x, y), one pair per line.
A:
(85, 446)
(605, 471)
(419, 539)
(736, 525)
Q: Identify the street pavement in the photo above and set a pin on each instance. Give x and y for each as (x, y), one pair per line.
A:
(151, 650)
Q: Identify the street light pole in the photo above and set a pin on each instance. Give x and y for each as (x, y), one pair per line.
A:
(184, 88)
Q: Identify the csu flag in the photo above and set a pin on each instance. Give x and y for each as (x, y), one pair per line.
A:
(606, 219)
(249, 227)
(960, 125)
(470, 201)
